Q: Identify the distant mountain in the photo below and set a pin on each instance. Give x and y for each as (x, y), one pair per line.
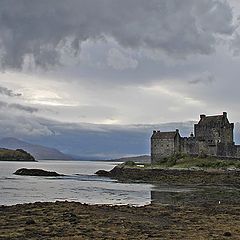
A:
(38, 151)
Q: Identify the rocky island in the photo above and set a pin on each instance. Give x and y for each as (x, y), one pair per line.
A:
(36, 172)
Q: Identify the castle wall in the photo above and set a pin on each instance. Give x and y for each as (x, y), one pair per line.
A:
(237, 151)
(226, 150)
(192, 146)
(177, 144)
(227, 134)
(161, 148)
(209, 134)
(189, 146)
(164, 145)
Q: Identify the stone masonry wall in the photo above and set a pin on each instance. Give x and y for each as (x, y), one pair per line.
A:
(161, 148)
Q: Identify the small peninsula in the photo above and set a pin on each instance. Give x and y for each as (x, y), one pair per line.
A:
(178, 169)
(15, 155)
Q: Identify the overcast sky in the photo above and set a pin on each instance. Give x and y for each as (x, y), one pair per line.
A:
(117, 62)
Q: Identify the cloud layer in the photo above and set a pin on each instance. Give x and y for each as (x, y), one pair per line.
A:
(41, 32)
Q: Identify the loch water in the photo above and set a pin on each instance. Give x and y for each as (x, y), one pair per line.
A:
(80, 184)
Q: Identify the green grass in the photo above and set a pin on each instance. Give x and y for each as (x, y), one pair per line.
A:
(208, 163)
(199, 162)
(185, 161)
(130, 164)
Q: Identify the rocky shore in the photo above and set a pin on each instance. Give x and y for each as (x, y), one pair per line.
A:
(173, 176)
(70, 220)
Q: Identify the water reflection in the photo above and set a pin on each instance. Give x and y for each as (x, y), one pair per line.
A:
(195, 195)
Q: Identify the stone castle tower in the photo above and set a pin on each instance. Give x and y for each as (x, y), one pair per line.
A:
(213, 136)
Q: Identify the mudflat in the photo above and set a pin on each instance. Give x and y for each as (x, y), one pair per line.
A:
(72, 220)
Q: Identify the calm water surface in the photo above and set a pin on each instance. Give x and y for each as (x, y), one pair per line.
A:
(79, 184)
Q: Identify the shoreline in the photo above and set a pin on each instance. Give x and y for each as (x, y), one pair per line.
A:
(173, 175)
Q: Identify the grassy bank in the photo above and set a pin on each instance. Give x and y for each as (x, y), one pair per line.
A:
(188, 162)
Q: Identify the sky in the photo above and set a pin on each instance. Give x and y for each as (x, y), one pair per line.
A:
(104, 66)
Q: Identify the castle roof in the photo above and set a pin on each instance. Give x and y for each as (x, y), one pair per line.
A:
(164, 135)
(211, 120)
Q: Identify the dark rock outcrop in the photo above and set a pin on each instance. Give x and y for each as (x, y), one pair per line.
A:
(103, 173)
(36, 172)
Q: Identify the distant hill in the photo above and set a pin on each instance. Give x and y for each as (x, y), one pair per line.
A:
(137, 159)
(15, 155)
(38, 151)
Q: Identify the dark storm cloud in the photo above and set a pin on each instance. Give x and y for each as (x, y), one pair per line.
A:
(8, 92)
(41, 31)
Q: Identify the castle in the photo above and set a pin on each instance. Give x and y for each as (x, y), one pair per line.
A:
(213, 136)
